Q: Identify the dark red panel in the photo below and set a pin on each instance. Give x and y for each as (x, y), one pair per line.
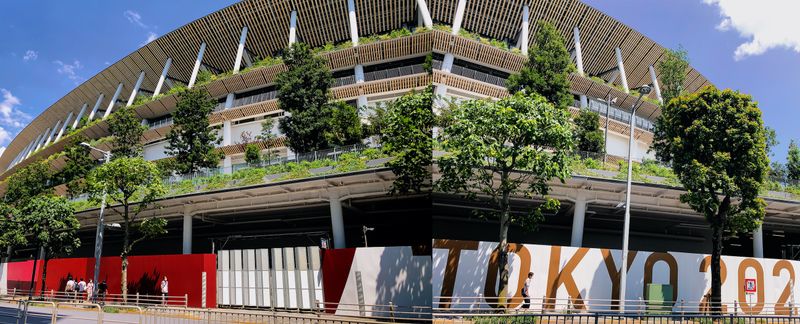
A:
(336, 266)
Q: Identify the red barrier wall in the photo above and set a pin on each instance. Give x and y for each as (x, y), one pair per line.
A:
(184, 272)
(336, 266)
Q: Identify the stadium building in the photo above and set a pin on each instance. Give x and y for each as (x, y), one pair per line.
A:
(258, 244)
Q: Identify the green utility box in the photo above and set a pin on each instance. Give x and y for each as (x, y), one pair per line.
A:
(658, 299)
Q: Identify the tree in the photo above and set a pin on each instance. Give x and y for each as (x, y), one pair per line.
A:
(407, 138)
(345, 125)
(547, 70)
(303, 92)
(32, 180)
(672, 72)
(252, 154)
(376, 121)
(793, 162)
(12, 233)
(79, 162)
(588, 133)
(268, 138)
(51, 225)
(771, 140)
(127, 132)
(716, 144)
(132, 184)
(512, 147)
(191, 140)
(777, 172)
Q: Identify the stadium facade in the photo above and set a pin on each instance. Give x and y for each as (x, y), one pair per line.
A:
(266, 237)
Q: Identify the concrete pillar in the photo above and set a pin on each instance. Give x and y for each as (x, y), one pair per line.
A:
(459, 18)
(584, 101)
(578, 52)
(93, 112)
(523, 34)
(52, 133)
(237, 63)
(293, 27)
(187, 232)
(63, 127)
(162, 77)
(79, 116)
(136, 88)
(227, 136)
(447, 63)
(33, 147)
(422, 9)
(578, 218)
(621, 68)
(654, 81)
(362, 99)
(351, 13)
(197, 63)
(337, 221)
(41, 141)
(758, 242)
(113, 101)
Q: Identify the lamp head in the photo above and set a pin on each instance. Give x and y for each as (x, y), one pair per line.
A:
(645, 89)
(86, 144)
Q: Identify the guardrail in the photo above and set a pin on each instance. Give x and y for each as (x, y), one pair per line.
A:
(390, 312)
(597, 318)
(464, 306)
(135, 299)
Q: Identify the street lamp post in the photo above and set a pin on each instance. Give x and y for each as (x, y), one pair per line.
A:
(98, 239)
(643, 90)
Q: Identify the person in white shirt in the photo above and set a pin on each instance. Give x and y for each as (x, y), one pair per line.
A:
(69, 289)
(164, 290)
(81, 288)
(526, 295)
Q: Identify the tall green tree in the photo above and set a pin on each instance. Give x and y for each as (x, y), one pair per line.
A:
(32, 180)
(547, 70)
(79, 162)
(51, 225)
(192, 142)
(127, 132)
(672, 72)
(345, 124)
(12, 233)
(268, 138)
(132, 185)
(588, 133)
(407, 137)
(716, 144)
(504, 149)
(303, 92)
(793, 162)
(252, 154)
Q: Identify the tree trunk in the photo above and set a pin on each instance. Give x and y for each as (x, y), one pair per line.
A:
(717, 227)
(505, 221)
(33, 274)
(124, 278)
(124, 256)
(44, 272)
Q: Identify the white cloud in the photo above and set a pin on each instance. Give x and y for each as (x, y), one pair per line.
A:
(30, 55)
(10, 115)
(70, 70)
(134, 17)
(766, 24)
(151, 36)
(2, 150)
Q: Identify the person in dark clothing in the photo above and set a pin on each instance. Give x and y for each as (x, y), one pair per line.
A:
(102, 288)
(526, 295)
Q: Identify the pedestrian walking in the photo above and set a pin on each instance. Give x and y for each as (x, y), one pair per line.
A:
(102, 288)
(89, 290)
(81, 289)
(526, 295)
(69, 288)
(164, 290)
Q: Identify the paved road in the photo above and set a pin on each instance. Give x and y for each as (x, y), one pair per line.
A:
(43, 315)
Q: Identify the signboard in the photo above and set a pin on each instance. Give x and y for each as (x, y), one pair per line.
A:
(750, 286)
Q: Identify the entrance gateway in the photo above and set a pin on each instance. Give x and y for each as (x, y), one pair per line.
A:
(286, 277)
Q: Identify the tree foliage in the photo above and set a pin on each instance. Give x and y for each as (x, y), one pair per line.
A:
(672, 72)
(407, 137)
(131, 185)
(588, 133)
(345, 125)
(547, 70)
(79, 162)
(512, 147)
(716, 144)
(32, 180)
(793, 161)
(252, 154)
(191, 140)
(127, 132)
(12, 233)
(303, 92)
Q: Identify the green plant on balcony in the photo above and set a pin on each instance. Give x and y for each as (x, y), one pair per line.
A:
(263, 62)
(177, 88)
(442, 27)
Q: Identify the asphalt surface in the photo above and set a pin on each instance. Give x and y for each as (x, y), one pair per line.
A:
(66, 315)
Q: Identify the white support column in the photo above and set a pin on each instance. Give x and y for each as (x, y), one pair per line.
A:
(293, 27)
(337, 221)
(621, 68)
(227, 137)
(197, 63)
(187, 232)
(163, 77)
(92, 113)
(459, 18)
(422, 9)
(237, 63)
(135, 91)
(21, 155)
(351, 12)
(523, 34)
(654, 81)
(578, 52)
(41, 141)
(113, 101)
(63, 127)
(33, 146)
(359, 73)
(758, 242)
(52, 133)
(578, 218)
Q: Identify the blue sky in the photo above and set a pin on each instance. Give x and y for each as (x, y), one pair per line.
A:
(49, 47)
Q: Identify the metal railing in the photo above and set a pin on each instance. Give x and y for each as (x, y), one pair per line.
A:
(476, 305)
(597, 318)
(135, 299)
(390, 312)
